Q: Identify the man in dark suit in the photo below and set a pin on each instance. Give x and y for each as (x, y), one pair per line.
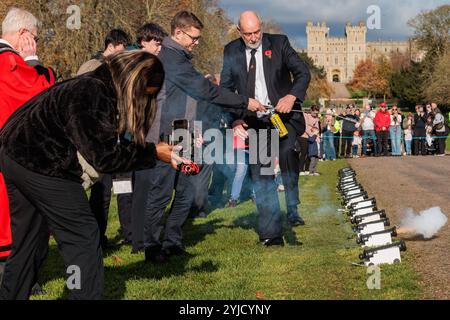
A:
(266, 67)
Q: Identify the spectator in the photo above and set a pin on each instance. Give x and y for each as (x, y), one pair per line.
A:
(313, 151)
(419, 131)
(348, 128)
(328, 129)
(429, 134)
(440, 129)
(149, 38)
(396, 131)
(100, 197)
(240, 169)
(408, 124)
(311, 121)
(382, 122)
(115, 41)
(21, 78)
(368, 128)
(356, 144)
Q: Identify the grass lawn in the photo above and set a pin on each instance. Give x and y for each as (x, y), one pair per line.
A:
(227, 262)
(447, 144)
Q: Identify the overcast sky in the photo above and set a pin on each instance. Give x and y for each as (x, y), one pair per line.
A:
(292, 15)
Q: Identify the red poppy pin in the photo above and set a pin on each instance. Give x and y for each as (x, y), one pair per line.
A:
(268, 54)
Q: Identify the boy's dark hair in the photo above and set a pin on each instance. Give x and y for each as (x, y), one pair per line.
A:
(149, 32)
(116, 37)
(185, 19)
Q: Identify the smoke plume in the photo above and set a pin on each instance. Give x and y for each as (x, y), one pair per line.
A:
(426, 223)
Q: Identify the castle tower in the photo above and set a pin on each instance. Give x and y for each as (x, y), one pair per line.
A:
(356, 46)
(317, 42)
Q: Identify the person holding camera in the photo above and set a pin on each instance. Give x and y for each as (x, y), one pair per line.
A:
(104, 115)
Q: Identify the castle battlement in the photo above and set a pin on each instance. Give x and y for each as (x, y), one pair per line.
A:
(340, 55)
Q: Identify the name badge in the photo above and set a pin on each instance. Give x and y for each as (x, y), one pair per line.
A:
(122, 186)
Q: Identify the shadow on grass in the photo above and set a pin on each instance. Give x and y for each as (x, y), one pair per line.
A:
(250, 222)
(117, 275)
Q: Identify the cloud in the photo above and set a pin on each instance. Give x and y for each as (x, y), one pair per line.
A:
(292, 15)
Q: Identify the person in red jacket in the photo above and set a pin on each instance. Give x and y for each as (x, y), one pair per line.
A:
(21, 78)
(382, 122)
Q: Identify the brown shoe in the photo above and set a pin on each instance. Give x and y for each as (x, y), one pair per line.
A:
(232, 204)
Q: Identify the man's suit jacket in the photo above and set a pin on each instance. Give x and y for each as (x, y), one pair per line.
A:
(284, 72)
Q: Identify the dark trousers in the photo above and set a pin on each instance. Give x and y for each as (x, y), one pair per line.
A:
(346, 143)
(303, 154)
(337, 138)
(200, 184)
(382, 141)
(39, 203)
(266, 195)
(100, 200)
(152, 194)
(419, 142)
(440, 142)
(220, 182)
(290, 166)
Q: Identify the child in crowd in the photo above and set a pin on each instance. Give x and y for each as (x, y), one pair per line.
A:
(356, 144)
(314, 151)
(408, 139)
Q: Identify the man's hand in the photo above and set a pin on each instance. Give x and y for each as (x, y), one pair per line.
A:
(168, 154)
(27, 45)
(254, 106)
(286, 104)
(240, 129)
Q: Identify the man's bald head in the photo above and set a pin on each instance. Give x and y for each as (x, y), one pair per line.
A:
(250, 26)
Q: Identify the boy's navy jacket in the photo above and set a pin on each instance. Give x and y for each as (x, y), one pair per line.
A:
(313, 150)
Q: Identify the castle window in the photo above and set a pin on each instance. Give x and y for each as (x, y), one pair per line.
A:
(398, 50)
(336, 61)
(385, 49)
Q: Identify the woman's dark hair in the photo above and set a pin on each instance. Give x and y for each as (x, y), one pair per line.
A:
(116, 37)
(149, 32)
(184, 20)
(315, 108)
(133, 72)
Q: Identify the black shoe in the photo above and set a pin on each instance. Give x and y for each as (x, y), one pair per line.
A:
(37, 290)
(297, 222)
(175, 251)
(272, 242)
(202, 214)
(155, 255)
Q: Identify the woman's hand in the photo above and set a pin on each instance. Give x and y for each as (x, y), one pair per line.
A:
(168, 154)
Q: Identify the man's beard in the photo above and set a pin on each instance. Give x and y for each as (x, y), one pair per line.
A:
(254, 45)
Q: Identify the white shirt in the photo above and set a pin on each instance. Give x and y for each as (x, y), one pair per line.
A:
(9, 44)
(367, 123)
(261, 93)
(399, 120)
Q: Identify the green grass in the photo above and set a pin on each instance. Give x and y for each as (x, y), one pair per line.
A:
(447, 144)
(227, 263)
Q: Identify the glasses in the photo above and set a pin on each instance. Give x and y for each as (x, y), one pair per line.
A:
(35, 37)
(194, 39)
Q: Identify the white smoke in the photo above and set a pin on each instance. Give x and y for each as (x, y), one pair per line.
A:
(426, 223)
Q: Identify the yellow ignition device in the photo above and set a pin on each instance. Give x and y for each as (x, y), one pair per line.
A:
(278, 124)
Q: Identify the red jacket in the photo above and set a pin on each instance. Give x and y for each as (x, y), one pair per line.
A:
(382, 119)
(19, 82)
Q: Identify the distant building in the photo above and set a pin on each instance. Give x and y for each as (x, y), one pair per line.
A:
(340, 56)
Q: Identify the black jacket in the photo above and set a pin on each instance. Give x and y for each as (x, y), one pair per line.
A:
(78, 114)
(284, 72)
(183, 88)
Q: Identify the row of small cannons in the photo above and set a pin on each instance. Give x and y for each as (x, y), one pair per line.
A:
(370, 224)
